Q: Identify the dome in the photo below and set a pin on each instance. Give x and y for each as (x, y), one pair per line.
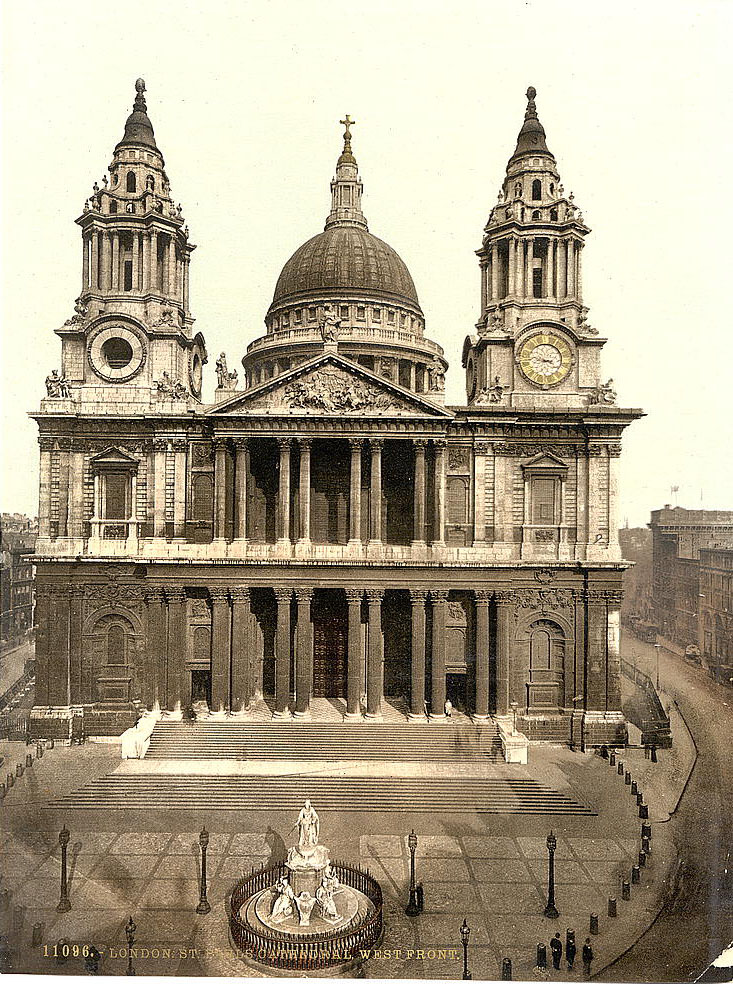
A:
(345, 258)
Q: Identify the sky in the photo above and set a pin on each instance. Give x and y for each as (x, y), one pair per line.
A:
(245, 98)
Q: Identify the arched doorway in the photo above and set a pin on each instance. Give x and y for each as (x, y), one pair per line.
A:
(546, 677)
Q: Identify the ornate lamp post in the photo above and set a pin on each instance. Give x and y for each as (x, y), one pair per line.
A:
(64, 903)
(465, 933)
(657, 646)
(130, 934)
(550, 909)
(203, 907)
(412, 907)
(514, 705)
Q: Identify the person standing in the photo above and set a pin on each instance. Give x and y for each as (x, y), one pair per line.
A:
(587, 956)
(556, 950)
(570, 949)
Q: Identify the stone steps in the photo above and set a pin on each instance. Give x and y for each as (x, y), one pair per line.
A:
(309, 741)
(270, 793)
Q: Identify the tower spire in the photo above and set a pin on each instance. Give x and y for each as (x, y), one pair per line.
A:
(138, 128)
(531, 139)
(346, 187)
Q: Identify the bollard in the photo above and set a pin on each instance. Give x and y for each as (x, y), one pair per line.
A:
(28, 761)
(18, 917)
(594, 923)
(635, 875)
(643, 812)
(612, 758)
(646, 830)
(639, 799)
(654, 753)
(620, 768)
(19, 770)
(39, 750)
(627, 778)
(634, 787)
(50, 742)
(62, 950)
(611, 907)
(604, 751)
(646, 846)
(10, 780)
(625, 891)
(642, 859)
(646, 751)
(37, 937)
(420, 894)
(506, 969)
(542, 956)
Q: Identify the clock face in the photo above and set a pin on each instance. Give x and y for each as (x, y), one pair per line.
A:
(545, 359)
(195, 373)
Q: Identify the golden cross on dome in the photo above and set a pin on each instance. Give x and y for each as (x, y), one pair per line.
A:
(347, 122)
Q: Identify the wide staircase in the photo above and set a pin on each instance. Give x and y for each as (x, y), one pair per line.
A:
(317, 741)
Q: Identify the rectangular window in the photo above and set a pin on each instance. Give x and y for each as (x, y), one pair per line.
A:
(543, 501)
(128, 275)
(360, 313)
(298, 316)
(344, 311)
(376, 314)
(311, 314)
(456, 501)
(390, 317)
(115, 500)
(537, 282)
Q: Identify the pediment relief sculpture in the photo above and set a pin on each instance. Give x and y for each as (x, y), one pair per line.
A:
(330, 390)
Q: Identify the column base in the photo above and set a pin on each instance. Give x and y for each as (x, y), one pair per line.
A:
(416, 717)
(418, 544)
(303, 715)
(354, 546)
(374, 718)
(374, 548)
(440, 719)
(303, 547)
(285, 715)
(353, 718)
(283, 547)
(480, 718)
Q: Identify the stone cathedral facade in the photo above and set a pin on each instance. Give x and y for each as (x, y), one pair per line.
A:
(329, 527)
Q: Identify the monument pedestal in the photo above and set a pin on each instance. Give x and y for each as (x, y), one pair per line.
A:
(306, 870)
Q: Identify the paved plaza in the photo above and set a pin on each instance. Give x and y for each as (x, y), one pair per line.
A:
(490, 869)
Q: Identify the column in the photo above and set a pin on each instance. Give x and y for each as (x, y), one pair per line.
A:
(84, 263)
(180, 448)
(76, 621)
(562, 267)
(418, 536)
(160, 449)
(304, 490)
(549, 268)
(579, 271)
(115, 279)
(504, 601)
(241, 685)
(494, 271)
(220, 498)
(413, 380)
(44, 487)
(437, 672)
(613, 671)
(511, 262)
(43, 644)
(220, 649)
(58, 679)
(176, 647)
(171, 287)
(375, 658)
(375, 492)
(154, 280)
(528, 276)
(303, 652)
(439, 532)
(484, 285)
(241, 472)
(282, 653)
(146, 260)
(571, 268)
(355, 493)
(164, 256)
(520, 268)
(481, 707)
(596, 650)
(417, 662)
(94, 258)
(155, 654)
(354, 672)
(186, 261)
(283, 497)
(136, 261)
(106, 262)
(76, 499)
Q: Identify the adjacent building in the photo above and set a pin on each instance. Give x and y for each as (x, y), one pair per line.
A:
(17, 580)
(678, 537)
(716, 612)
(328, 527)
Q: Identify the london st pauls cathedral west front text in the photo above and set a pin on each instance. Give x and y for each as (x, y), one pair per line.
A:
(328, 527)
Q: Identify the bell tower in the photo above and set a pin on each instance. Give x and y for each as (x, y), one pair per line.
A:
(534, 345)
(133, 323)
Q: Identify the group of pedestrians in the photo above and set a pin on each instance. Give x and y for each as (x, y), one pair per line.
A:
(571, 950)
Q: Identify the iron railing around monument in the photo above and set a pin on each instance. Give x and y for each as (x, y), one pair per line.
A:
(300, 951)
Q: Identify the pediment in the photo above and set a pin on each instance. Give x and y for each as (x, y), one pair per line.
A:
(329, 386)
(545, 462)
(113, 457)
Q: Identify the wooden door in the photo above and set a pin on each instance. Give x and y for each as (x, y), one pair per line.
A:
(329, 658)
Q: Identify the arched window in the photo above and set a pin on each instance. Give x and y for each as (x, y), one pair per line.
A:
(553, 215)
(113, 208)
(131, 182)
(457, 506)
(202, 644)
(536, 214)
(116, 646)
(536, 190)
(150, 181)
(552, 187)
(517, 189)
(203, 498)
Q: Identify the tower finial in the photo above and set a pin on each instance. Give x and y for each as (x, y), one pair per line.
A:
(346, 155)
(531, 108)
(140, 105)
